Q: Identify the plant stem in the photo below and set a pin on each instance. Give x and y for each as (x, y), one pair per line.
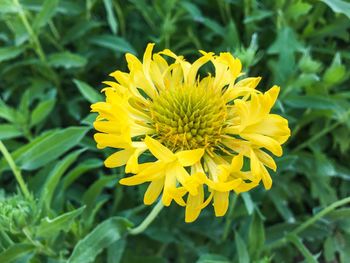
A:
(34, 39)
(148, 220)
(16, 171)
(309, 222)
(321, 214)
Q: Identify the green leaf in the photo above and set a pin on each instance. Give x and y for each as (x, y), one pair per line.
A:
(336, 73)
(48, 9)
(8, 131)
(329, 248)
(50, 148)
(115, 251)
(42, 111)
(317, 102)
(302, 248)
(282, 207)
(114, 43)
(8, 6)
(338, 6)
(50, 227)
(16, 251)
(193, 10)
(342, 213)
(66, 60)
(21, 150)
(90, 196)
(7, 53)
(243, 256)
(54, 177)
(79, 30)
(249, 204)
(212, 258)
(112, 20)
(88, 92)
(298, 9)
(89, 119)
(214, 26)
(256, 235)
(285, 45)
(257, 15)
(6, 112)
(85, 166)
(105, 234)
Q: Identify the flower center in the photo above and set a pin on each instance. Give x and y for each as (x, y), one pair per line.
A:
(188, 118)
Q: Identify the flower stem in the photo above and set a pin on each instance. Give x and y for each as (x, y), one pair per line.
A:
(309, 222)
(148, 220)
(16, 171)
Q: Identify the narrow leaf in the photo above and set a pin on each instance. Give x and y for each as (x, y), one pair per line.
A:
(7, 53)
(49, 227)
(48, 9)
(42, 111)
(8, 131)
(243, 256)
(55, 175)
(16, 251)
(50, 148)
(100, 238)
(112, 20)
(89, 93)
(339, 6)
(66, 60)
(302, 248)
(114, 43)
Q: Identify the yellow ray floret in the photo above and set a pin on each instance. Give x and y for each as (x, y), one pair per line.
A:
(205, 135)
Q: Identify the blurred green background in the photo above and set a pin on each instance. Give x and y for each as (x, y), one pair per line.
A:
(54, 54)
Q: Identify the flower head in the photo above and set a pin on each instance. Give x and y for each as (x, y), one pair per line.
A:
(209, 134)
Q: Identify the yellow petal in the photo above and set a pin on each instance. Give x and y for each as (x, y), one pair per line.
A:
(108, 126)
(272, 94)
(255, 165)
(119, 158)
(110, 140)
(192, 73)
(147, 58)
(185, 66)
(245, 187)
(237, 162)
(183, 177)
(221, 203)
(132, 165)
(235, 65)
(266, 159)
(121, 77)
(170, 183)
(189, 157)
(194, 205)
(250, 83)
(272, 125)
(224, 186)
(264, 141)
(160, 62)
(152, 172)
(159, 151)
(177, 194)
(266, 178)
(153, 191)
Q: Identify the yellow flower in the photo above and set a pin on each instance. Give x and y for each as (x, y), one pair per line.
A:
(210, 135)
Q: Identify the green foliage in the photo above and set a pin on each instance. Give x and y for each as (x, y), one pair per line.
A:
(54, 55)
